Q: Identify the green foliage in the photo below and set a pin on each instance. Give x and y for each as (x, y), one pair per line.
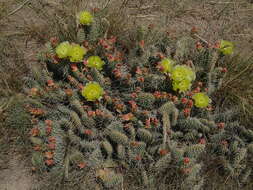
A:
(138, 121)
(145, 100)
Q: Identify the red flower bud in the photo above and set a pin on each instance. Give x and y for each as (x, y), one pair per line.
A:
(187, 112)
(186, 160)
(163, 152)
(221, 125)
(202, 141)
(184, 100)
(199, 45)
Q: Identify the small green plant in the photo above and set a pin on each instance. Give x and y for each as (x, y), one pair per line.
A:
(97, 106)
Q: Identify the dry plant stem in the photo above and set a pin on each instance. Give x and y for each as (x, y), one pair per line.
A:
(5, 105)
(20, 7)
(166, 127)
(202, 39)
(106, 4)
(66, 162)
(237, 76)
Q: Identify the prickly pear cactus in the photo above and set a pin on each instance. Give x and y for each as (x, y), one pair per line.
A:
(106, 108)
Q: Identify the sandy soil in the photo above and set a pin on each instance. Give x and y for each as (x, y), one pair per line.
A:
(16, 176)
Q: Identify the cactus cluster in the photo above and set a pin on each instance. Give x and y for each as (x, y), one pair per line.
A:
(103, 106)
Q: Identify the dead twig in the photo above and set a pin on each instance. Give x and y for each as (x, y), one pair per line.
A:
(18, 8)
(202, 39)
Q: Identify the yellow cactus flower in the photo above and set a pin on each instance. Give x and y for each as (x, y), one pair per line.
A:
(183, 72)
(182, 86)
(92, 91)
(201, 100)
(85, 18)
(63, 49)
(76, 53)
(226, 47)
(95, 62)
(167, 65)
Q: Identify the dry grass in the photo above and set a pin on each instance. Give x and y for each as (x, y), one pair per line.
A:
(24, 31)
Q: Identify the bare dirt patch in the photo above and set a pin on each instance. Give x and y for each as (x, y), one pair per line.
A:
(15, 175)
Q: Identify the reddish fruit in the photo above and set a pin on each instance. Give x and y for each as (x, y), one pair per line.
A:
(184, 100)
(138, 71)
(54, 41)
(95, 9)
(89, 77)
(134, 143)
(199, 45)
(127, 117)
(74, 67)
(142, 43)
(50, 162)
(87, 132)
(224, 70)
(145, 112)
(138, 89)
(37, 148)
(48, 130)
(187, 112)
(160, 55)
(48, 122)
(49, 155)
(133, 105)
(33, 92)
(209, 108)
(160, 67)
(217, 45)
(113, 39)
(202, 141)
(197, 89)
(134, 95)
(36, 111)
(110, 57)
(189, 94)
(186, 160)
(56, 59)
(140, 79)
(138, 158)
(151, 26)
(52, 139)
(186, 170)
(200, 84)
(155, 121)
(82, 165)
(86, 44)
(68, 92)
(50, 83)
(221, 125)
(163, 152)
(35, 132)
(190, 103)
(224, 143)
(91, 113)
(34, 121)
(147, 123)
(157, 94)
(51, 146)
(119, 107)
(98, 112)
(174, 98)
(194, 30)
